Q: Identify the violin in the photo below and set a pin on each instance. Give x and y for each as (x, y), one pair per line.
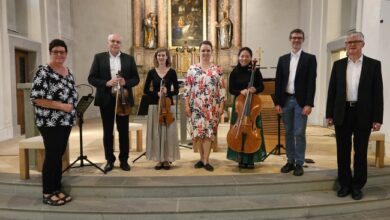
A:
(244, 136)
(122, 105)
(165, 115)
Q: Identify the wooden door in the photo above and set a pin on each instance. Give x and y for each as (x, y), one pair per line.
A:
(21, 71)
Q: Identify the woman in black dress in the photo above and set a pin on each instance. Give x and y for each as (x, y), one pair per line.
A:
(238, 84)
(161, 139)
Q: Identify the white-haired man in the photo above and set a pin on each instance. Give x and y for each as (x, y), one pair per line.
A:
(355, 107)
(103, 75)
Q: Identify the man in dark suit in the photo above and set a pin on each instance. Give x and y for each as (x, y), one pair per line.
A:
(295, 86)
(103, 75)
(354, 106)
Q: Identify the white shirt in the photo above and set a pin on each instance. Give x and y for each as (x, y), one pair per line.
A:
(354, 70)
(115, 64)
(293, 70)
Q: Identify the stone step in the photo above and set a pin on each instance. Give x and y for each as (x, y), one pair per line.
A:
(263, 206)
(188, 186)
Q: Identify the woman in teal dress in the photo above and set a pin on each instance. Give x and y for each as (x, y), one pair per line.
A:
(238, 84)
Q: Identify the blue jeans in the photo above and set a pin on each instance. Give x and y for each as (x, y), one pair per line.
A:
(295, 125)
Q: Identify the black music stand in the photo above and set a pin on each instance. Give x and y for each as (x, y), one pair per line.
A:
(143, 106)
(277, 149)
(81, 107)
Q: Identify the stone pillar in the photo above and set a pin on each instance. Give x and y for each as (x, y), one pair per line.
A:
(137, 24)
(213, 22)
(225, 6)
(147, 7)
(162, 23)
(236, 23)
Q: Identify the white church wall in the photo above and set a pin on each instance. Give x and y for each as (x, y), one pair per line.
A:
(377, 38)
(6, 128)
(267, 24)
(93, 21)
(313, 21)
(36, 20)
(384, 56)
(33, 17)
(11, 17)
(59, 25)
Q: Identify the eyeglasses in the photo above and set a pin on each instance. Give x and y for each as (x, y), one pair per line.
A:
(353, 42)
(296, 38)
(115, 41)
(58, 52)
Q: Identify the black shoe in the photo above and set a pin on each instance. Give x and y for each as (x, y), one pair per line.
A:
(108, 167)
(158, 166)
(357, 194)
(241, 165)
(166, 165)
(298, 171)
(208, 167)
(287, 168)
(250, 166)
(125, 166)
(343, 192)
(199, 164)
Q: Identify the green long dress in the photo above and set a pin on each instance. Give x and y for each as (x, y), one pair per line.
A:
(247, 159)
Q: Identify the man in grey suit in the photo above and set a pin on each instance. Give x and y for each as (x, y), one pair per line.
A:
(295, 87)
(104, 75)
(355, 107)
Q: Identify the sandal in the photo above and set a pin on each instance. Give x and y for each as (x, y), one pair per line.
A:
(51, 200)
(66, 197)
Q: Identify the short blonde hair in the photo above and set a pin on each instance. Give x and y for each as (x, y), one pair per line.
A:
(168, 63)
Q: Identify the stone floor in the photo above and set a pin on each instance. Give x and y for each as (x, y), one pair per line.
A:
(320, 148)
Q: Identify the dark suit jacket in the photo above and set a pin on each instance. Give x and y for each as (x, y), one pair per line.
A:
(305, 79)
(369, 105)
(100, 73)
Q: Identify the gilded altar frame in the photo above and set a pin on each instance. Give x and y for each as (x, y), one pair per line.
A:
(187, 22)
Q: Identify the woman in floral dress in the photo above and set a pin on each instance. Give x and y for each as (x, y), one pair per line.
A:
(204, 102)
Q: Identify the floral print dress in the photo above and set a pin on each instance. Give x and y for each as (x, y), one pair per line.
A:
(206, 90)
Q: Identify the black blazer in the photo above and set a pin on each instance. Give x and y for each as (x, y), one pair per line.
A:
(369, 105)
(100, 73)
(305, 79)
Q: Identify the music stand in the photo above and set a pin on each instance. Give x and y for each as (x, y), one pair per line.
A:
(277, 149)
(81, 107)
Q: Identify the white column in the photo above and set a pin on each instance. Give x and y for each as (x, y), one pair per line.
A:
(6, 129)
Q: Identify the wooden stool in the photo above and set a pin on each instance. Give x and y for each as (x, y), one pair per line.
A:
(35, 143)
(138, 128)
(379, 138)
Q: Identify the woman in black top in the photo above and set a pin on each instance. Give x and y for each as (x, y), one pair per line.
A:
(238, 84)
(54, 97)
(161, 139)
